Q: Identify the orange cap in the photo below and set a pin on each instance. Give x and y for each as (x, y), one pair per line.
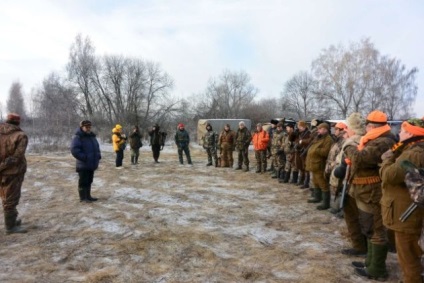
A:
(377, 117)
(414, 126)
(341, 125)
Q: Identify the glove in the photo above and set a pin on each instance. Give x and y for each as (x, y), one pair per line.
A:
(387, 155)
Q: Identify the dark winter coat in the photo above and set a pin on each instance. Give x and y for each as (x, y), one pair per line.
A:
(135, 140)
(182, 138)
(86, 150)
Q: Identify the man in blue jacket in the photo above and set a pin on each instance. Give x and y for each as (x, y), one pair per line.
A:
(86, 150)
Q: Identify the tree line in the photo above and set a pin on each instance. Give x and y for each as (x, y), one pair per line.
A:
(114, 89)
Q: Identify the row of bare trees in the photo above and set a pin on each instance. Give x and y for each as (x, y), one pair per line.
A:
(349, 79)
(131, 91)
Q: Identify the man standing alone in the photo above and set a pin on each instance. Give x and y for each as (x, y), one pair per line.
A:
(13, 144)
(86, 151)
(182, 140)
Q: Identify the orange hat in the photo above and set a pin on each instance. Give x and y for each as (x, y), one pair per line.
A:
(377, 117)
(341, 126)
(414, 126)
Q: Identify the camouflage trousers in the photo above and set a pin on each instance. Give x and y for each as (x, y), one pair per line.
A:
(243, 157)
(260, 156)
(10, 192)
(212, 154)
(226, 155)
(279, 161)
(290, 164)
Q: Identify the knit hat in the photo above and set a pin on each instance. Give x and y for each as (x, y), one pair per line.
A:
(85, 123)
(414, 126)
(118, 127)
(241, 123)
(13, 118)
(324, 126)
(301, 123)
(291, 125)
(341, 126)
(356, 123)
(180, 125)
(377, 117)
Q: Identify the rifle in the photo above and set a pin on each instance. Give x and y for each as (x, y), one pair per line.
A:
(345, 186)
(411, 170)
(411, 208)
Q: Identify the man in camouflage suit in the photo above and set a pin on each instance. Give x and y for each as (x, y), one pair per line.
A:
(13, 165)
(288, 143)
(366, 185)
(226, 144)
(210, 141)
(277, 150)
(243, 139)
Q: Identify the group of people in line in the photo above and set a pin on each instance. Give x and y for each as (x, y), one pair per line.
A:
(362, 155)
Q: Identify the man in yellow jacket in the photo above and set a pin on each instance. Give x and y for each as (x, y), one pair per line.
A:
(119, 141)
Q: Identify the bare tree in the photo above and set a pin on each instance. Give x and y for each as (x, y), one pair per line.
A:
(227, 96)
(262, 111)
(15, 102)
(298, 98)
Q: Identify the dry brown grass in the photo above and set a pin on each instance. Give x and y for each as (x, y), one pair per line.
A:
(170, 223)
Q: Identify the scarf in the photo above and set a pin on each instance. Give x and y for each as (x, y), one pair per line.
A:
(372, 135)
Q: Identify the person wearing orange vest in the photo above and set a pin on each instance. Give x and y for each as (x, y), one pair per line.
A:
(366, 185)
(396, 198)
(260, 141)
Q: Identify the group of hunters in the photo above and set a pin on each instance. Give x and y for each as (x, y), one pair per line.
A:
(361, 163)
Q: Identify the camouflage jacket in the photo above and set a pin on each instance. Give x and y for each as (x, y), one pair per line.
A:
(318, 153)
(288, 143)
(332, 155)
(13, 144)
(210, 139)
(396, 198)
(277, 142)
(243, 138)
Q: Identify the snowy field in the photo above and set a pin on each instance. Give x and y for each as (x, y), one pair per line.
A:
(171, 223)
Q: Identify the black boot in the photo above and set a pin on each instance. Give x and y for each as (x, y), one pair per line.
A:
(89, 197)
(132, 160)
(83, 195)
(281, 176)
(286, 177)
(301, 179)
(238, 167)
(325, 204)
(295, 176)
(306, 182)
(246, 168)
(10, 223)
(136, 160)
(317, 197)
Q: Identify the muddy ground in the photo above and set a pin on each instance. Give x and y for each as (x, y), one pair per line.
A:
(171, 223)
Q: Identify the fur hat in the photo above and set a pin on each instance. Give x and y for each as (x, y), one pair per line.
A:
(301, 123)
(85, 123)
(324, 125)
(13, 118)
(291, 125)
(356, 123)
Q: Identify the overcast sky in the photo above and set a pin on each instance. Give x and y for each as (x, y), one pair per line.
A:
(195, 40)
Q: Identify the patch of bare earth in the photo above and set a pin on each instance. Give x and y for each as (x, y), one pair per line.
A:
(171, 223)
